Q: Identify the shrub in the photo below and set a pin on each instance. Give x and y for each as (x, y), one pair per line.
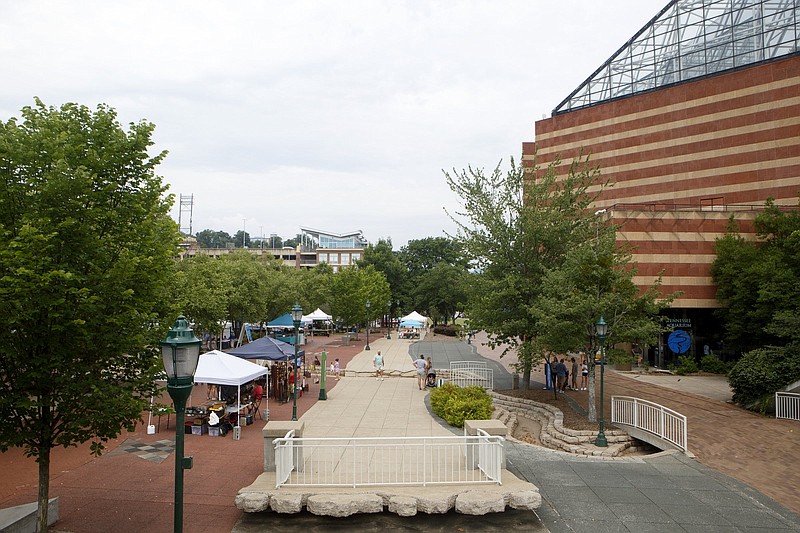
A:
(455, 404)
(709, 363)
(686, 365)
(449, 330)
(758, 374)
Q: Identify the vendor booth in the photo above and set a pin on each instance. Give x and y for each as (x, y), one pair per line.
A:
(267, 348)
(321, 323)
(230, 373)
(282, 329)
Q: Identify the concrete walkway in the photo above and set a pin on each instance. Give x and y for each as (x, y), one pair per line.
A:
(362, 405)
(662, 492)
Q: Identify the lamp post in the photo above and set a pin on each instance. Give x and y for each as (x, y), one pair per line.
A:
(322, 394)
(398, 318)
(181, 352)
(297, 316)
(389, 325)
(367, 346)
(601, 328)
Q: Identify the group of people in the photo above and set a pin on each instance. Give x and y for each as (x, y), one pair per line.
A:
(426, 376)
(568, 377)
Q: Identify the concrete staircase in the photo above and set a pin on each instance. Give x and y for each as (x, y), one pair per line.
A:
(554, 435)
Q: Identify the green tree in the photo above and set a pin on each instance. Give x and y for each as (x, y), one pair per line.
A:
(420, 257)
(241, 239)
(386, 260)
(202, 288)
(441, 292)
(758, 282)
(213, 239)
(86, 247)
(352, 287)
(596, 279)
(515, 228)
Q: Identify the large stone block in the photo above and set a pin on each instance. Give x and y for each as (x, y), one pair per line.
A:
(527, 500)
(286, 503)
(344, 504)
(403, 505)
(435, 504)
(252, 502)
(477, 502)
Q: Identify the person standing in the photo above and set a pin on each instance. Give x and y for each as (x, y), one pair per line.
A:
(336, 369)
(421, 365)
(561, 375)
(377, 362)
(573, 373)
(584, 375)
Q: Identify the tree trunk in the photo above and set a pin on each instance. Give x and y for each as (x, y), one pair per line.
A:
(592, 415)
(526, 377)
(44, 489)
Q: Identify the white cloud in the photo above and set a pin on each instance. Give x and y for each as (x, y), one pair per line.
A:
(335, 115)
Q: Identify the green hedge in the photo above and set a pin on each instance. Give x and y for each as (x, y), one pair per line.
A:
(455, 404)
(449, 330)
(758, 374)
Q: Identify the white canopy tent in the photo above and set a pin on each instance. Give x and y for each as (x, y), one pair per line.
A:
(220, 368)
(416, 317)
(319, 314)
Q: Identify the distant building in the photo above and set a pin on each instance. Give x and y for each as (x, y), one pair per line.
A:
(336, 249)
(695, 119)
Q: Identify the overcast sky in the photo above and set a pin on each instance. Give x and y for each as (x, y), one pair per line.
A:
(337, 116)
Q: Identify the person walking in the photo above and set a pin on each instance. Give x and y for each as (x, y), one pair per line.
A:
(336, 369)
(420, 364)
(377, 362)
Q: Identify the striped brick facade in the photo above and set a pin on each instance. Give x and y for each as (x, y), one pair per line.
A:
(682, 160)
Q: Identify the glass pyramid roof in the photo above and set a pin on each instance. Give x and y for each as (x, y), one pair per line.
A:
(689, 39)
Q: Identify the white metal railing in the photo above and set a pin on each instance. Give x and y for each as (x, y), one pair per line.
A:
(358, 462)
(471, 373)
(651, 417)
(284, 457)
(787, 405)
(465, 365)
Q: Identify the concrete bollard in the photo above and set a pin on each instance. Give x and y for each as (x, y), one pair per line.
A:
(492, 427)
(276, 429)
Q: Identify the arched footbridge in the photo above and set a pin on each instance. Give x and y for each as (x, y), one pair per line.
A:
(650, 422)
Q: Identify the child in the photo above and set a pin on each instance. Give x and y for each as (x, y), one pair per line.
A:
(336, 369)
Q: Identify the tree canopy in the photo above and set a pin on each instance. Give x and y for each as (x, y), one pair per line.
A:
(86, 247)
(546, 267)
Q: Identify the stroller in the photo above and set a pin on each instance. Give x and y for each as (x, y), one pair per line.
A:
(430, 380)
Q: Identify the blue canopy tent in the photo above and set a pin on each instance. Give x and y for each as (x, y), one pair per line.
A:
(282, 328)
(266, 348)
(410, 324)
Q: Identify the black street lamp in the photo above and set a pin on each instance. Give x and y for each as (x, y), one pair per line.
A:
(601, 328)
(389, 325)
(297, 316)
(367, 347)
(181, 352)
(398, 318)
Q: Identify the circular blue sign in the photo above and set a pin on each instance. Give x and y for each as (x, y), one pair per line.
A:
(679, 341)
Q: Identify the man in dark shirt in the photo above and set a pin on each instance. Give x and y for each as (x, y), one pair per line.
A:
(561, 375)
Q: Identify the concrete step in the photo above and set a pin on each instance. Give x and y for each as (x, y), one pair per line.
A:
(22, 518)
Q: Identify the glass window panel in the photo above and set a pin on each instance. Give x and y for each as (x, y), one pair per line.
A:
(345, 259)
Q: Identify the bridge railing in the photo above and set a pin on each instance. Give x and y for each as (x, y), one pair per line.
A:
(366, 461)
(650, 417)
(787, 405)
(471, 373)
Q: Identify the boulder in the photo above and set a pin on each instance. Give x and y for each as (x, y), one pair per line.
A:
(344, 504)
(476, 502)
